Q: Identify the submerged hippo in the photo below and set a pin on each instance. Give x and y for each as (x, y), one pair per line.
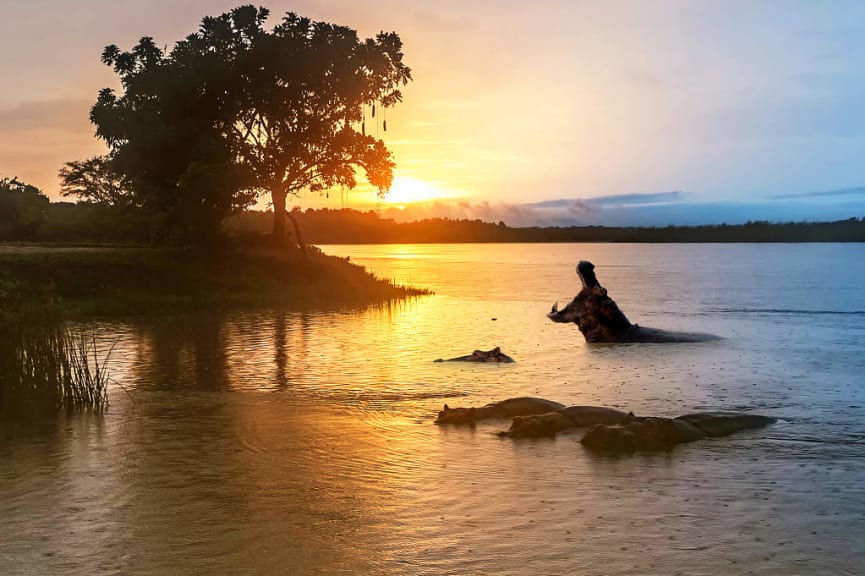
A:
(650, 433)
(551, 423)
(494, 355)
(600, 320)
(504, 409)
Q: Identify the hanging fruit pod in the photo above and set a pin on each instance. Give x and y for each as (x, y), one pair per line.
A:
(363, 128)
(384, 125)
(373, 110)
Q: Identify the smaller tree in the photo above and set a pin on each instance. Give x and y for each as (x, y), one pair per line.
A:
(96, 180)
(108, 208)
(23, 210)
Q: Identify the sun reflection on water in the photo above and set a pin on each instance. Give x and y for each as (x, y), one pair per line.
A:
(271, 441)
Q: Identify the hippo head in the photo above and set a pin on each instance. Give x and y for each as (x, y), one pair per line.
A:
(488, 355)
(450, 415)
(568, 314)
(575, 310)
(595, 314)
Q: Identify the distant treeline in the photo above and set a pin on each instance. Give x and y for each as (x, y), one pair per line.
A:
(327, 226)
(27, 215)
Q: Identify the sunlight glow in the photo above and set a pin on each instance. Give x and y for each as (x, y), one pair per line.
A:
(410, 190)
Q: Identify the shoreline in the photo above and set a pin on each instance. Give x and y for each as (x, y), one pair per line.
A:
(90, 281)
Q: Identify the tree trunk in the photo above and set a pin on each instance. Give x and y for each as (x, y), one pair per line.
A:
(278, 234)
(297, 234)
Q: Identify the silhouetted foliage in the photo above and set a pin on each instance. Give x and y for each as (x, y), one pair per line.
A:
(23, 210)
(110, 211)
(165, 133)
(234, 110)
(305, 86)
(327, 226)
(96, 180)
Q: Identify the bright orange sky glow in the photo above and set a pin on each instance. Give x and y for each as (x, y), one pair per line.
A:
(409, 190)
(515, 103)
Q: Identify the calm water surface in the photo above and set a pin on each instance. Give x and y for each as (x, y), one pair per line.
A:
(288, 443)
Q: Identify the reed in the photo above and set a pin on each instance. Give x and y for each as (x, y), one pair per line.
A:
(46, 367)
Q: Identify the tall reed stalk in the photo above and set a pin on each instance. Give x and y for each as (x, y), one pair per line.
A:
(47, 367)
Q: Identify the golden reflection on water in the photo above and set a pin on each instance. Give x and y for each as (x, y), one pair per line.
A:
(277, 442)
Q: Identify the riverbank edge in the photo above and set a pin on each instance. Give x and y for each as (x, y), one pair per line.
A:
(131, 281)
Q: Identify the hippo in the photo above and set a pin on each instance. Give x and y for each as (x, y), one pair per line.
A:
(505, 409)
(551, 423)
(601, 321)
(494, 355)
(655, 434)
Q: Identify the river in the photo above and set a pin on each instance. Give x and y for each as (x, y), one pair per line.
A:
(303, 443)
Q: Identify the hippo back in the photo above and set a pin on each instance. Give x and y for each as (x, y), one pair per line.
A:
(524, 406)
(644, 433)
(718, 424)
(586, 416)
(537, 425)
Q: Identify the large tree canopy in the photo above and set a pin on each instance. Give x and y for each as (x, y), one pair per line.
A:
(236, 110)
(165, 137)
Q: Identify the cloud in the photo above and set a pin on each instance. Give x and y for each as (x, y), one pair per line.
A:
(53, 115)
(591, 204)
(581, 208)
(429, 142)
(37, 137)
(576, 212)
(440, 22)
(860, 191)
(639, 199)
(512, 214)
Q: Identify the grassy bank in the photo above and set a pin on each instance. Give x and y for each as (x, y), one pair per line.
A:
(132, 281)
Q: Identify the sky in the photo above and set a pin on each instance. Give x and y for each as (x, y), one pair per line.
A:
(550, 112)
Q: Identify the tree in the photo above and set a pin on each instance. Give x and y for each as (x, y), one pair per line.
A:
(108, 208)
(96, 180)
(165, 134)
(23, 210)
(301, 122)
(249, 111)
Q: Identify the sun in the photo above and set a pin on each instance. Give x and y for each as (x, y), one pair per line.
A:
(410, 190)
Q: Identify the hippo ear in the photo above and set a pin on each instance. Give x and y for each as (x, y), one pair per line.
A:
(555, 308)
(446, 408)
(496, 351)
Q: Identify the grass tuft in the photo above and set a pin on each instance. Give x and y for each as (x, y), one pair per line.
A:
(45, 367)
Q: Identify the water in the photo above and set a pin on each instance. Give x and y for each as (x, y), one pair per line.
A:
(281, 443)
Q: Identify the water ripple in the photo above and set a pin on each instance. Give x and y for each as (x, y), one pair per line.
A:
(785, 311)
